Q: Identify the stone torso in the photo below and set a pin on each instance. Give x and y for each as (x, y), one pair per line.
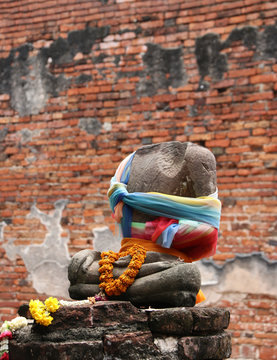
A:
(174, 168)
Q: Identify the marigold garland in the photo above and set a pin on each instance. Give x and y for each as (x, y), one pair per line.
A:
(118, 286)
(41, 312)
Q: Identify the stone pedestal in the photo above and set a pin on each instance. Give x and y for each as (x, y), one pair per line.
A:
(118, 330)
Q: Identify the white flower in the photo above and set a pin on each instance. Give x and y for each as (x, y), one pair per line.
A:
(74, 303)
(5, 326)
(18, 323)
(4, 345)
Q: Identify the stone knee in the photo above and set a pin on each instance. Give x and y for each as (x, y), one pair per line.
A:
(83, 267)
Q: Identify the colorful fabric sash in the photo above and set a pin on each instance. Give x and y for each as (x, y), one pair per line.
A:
(189, 225)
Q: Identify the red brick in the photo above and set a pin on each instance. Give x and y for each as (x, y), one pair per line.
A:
(11, 150)
(260, 96)
(224, 84)
(223, 256)
(257, 140)
(268, 353)
(152, 24)
(238, 134)
(219, 100)
(270, 148)
(218, 143)
(237, 19)
(200, 137)
(237, 150)
(4, 97)
(263, 78)
(144, 107)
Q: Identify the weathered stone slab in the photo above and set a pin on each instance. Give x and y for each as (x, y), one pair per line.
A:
(74, 350)
(188, 321)
(116, 330)
(209, 319)
(102, 313)
(68, 318)
(171, 321)
(208, 347)
(136, 346)
(110, 313)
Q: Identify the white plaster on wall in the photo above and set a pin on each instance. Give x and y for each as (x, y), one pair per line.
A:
(31, 95)
(107, 126)
(245, 274)
(105, 240)
(46, 263)
(2, 226)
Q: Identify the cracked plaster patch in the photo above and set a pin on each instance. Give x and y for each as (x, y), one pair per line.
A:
(90, 125)
(2, 226)
(164, 69)
(46, 263)
(27, 135)
(105, 240)
(26, 74)
(107, 126)
(246, 273)
(212, 62)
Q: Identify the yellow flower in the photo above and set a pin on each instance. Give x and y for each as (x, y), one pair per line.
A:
(36, 304)
(36, 308)
(41, 312)
(52, 304)
(47, 320)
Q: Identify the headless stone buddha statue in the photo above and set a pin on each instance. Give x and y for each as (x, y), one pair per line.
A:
(165, 198)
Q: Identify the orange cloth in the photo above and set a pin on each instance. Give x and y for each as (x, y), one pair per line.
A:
(126, 243)
(200, 297)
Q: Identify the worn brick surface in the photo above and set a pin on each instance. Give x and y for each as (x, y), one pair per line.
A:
(124, 338)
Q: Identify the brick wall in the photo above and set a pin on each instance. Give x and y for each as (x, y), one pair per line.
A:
(83, 83)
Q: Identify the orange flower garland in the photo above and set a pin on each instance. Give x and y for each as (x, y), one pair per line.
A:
(118, 286)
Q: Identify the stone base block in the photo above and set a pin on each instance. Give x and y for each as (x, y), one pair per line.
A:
(118, 330)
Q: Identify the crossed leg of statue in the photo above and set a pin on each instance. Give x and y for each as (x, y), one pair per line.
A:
(163, 280)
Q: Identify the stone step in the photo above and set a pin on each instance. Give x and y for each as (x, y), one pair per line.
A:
(118, 330)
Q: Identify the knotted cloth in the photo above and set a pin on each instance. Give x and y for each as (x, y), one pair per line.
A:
(186, 225)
